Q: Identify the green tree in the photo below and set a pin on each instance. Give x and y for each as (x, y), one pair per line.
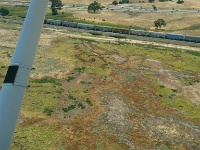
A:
(180, 2)
(94, 7)
(151, 1)
(159, 23)
(123, 1)
(154, 7)
(115, 2)
(56, 4)
(4, 11)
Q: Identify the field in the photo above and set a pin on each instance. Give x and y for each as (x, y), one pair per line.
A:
(179, 23)
(97, 92)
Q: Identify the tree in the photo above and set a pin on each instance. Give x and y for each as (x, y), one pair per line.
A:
(56, 4)
(115, 2)
(94, 7)
(159, 23)
(123, 1)
(151, 1)
(180, 2)
(154, 7)
(4, 11)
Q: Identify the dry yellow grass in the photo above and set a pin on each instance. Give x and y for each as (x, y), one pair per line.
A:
(176, 23)
(169, 4)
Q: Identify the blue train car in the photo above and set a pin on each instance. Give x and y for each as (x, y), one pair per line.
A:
(174, 36)
(192, 38)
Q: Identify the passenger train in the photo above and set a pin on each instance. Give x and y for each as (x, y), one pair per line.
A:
(123, 30)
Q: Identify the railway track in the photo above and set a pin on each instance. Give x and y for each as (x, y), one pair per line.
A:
(134, 37)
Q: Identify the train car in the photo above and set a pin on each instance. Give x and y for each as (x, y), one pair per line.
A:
(174, 36)
(103, 28)
(85, 26)
(54, 22)
(155, 34)
(192, 38)
(120, 30)
(138, 32)
(70, 24)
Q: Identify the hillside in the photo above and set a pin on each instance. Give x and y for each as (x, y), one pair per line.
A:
(168, 4)
(110, 94)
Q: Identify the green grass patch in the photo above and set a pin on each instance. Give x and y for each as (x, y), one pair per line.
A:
(38, 97)
(61, 15)
(168, 97)
(99, 67)
(17, 12)
(171, 58)
(193, 53)
(184, 106)
(60, 91)
(34, 137)
(78, 93)
(47, 80)
(67, 51)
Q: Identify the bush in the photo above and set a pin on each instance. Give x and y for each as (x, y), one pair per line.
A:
(80, 69)
(81, 106)
(47, 80)
(180, 2)
(88, 101)
(71, 97)
(69, 108)
(70, 78)
(4, 11)
(48, 111)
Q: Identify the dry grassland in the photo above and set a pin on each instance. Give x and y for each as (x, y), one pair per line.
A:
(176, 23)
(188, 3)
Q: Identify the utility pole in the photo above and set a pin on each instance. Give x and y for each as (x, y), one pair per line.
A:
(16, 80)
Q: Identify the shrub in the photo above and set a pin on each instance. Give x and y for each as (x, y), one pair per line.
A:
(47, 80)
(81, 105)
(71, 97)
(48, 111)
(70, 78)
(88, 101)
(4, 11)
(69, 108)
(60, 91)
(80, 69)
